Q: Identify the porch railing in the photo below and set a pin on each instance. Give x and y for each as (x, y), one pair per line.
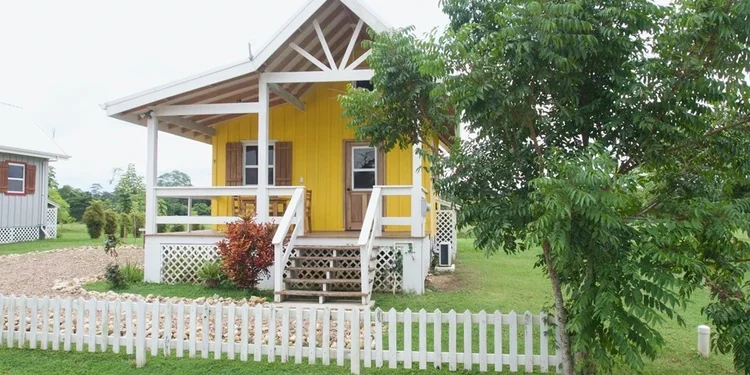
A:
(372, 227)
(213, 192)
(294, 215)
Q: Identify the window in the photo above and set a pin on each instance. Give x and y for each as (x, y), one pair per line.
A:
(251, 165)
(367, 85)
(364, 168)
(16, 178)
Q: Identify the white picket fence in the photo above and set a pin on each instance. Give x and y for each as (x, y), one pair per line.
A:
(379, 338)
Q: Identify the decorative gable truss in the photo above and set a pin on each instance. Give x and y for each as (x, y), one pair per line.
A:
(332, 66)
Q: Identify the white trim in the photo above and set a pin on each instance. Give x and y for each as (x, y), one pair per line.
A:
(324, 44)
(188, 124)
(309, 57)
(22, 179)
(206, 109)
(328, 76)
(204, 192)
(271, 143)
(262, 204)
(152, 151)
(242, 67)
(418, 221)
(352, 43)
(35, 154)
(359, 60)
(374, 170)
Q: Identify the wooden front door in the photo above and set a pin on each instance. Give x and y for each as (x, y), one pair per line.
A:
(364, 168)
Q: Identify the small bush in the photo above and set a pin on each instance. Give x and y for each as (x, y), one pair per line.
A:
(210, 274)
(177, 228)
(94, 219)
(113, 276)
(247, 252)
(132, 273)
(110, 223)
(139, 221)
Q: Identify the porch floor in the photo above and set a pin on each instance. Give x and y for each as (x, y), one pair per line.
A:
(316, 234)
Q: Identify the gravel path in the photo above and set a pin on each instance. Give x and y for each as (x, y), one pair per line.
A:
(34, 274)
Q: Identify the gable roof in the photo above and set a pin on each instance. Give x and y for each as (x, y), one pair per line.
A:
(21, 135)
(123, 108)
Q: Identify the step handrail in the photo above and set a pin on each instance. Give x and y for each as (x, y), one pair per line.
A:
(371, 227)
(294, 215)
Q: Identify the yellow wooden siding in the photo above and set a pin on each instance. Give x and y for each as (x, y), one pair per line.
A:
(317, 137)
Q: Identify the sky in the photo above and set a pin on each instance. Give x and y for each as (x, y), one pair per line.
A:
(61, 59)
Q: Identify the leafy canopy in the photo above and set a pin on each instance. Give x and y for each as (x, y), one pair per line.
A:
(612, 134)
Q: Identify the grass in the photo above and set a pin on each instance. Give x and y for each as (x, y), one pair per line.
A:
(501, 282)
(69, 236)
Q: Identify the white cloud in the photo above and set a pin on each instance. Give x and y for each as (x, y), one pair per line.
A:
(60, 60)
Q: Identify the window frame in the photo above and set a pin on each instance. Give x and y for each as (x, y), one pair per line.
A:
(374, 169)
(22, 179)
(245, 167)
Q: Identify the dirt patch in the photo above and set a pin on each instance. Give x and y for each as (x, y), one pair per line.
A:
(446, 282)
(35, 274)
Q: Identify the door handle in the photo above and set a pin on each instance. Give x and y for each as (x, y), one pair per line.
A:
(348, 189)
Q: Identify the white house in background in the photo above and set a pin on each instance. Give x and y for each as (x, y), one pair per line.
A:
(351, 219)
(26, 214)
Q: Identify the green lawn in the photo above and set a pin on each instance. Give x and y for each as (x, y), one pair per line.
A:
(70, 235)
(502, 282)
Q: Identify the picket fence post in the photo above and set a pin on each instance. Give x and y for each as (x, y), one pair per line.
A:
(140, 337)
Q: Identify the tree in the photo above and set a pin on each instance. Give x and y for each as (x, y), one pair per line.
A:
(110, 223)
(94, 219)
(612, 135)
(52, 178)
(130, 190)
(173, 179)
(77, 199)
(63, 213)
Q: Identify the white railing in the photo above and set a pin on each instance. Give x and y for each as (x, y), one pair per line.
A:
(213, 192)
(372, 227)
(294, 215)
(491, 340)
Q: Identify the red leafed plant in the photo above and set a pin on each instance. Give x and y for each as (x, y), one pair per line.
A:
(247, 252)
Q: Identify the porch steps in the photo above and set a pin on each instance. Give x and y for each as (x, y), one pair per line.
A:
(325, 273)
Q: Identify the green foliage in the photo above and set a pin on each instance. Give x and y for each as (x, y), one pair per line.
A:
(126, 225)
(132, 273)
(77, 199)
(113, 276)
(110, 223)
(94, 219)
(210, 273)
(612, 135)
(63, 213)
(130, 190)
(139, 221)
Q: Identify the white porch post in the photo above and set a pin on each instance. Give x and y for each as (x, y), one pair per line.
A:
(152, 258)
(417, 220)
(263, 99)
(151, 165)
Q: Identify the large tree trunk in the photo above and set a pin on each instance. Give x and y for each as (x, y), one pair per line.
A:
(564, 344)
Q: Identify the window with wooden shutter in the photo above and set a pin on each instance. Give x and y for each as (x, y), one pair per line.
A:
(30, 179)
(234, 164)
(283, 163)
(3, 177)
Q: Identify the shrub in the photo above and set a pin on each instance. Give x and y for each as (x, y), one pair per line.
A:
(132, 273)
(93, 217)
(139, 221)
(210, 274)
(125, 224)
(247, 252)
(113, 276)
(177, 228)
(110, 223)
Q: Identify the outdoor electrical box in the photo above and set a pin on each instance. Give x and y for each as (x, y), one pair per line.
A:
(444, 252)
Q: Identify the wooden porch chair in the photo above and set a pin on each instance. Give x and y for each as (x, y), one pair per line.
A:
(277, 207)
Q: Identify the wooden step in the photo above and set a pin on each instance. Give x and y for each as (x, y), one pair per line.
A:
(313, 248)
(320, 293)
(326, 269)
(324, 281)
(327, 258)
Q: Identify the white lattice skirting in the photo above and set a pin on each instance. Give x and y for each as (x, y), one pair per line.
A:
(446, 231)
(23, 234)
(180, 262)
(51, 227)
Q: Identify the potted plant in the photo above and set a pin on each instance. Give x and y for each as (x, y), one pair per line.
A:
(210, 274)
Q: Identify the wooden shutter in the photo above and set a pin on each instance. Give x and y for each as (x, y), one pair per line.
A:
(283, 164)
(3, 176)
(234, 164)
(30, 179)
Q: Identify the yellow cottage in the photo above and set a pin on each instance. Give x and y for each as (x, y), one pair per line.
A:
(351, 219)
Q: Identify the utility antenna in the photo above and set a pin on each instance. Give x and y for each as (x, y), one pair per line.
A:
(250, 50)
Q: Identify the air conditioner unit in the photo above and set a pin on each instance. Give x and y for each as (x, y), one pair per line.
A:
(444, 253)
